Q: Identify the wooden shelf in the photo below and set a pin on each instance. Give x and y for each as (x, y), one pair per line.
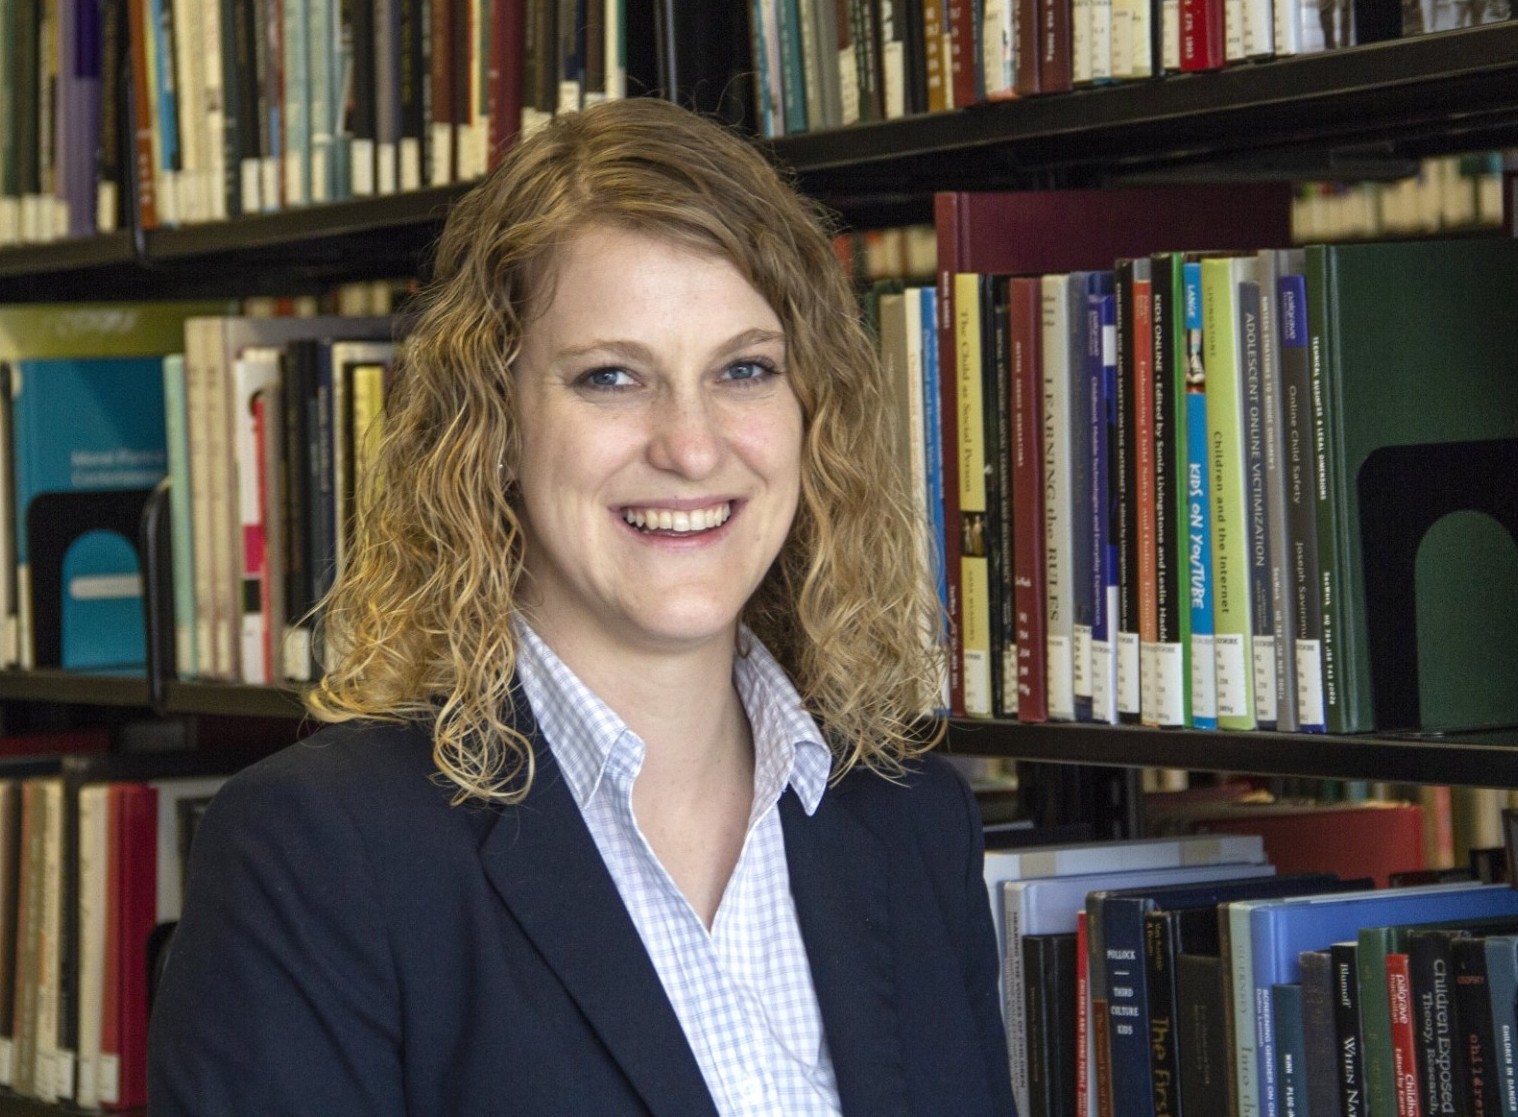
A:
(1487, 758)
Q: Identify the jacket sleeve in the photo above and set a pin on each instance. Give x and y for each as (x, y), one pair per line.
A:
(982, 966)
(280, 995)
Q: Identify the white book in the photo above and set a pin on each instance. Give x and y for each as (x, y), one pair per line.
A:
(94, 871)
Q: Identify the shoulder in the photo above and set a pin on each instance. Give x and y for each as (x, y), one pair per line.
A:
(355, 776)
(931, 803)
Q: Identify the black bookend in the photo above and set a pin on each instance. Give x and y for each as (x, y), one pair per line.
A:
(1404, 491)
(54, 521)
(155, 545)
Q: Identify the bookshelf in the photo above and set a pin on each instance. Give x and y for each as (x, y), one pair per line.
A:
(1360, 111)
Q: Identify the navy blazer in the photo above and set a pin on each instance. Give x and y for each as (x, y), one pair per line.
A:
(354, 946)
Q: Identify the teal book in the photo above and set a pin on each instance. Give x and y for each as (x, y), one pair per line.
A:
(1412, 358)
(1291, 1050)
(89, 445)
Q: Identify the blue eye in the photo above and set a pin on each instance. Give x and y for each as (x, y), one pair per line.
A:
(750, 371)
(606, 378)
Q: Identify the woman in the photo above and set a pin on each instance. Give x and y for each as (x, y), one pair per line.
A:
(624, 811)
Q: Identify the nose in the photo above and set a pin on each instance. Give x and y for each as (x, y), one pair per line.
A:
(686, 435)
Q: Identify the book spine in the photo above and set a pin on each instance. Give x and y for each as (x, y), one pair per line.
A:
(1232, 626)
(1124, 499)
(1170, 654)
(974, 578)
(1431, 965)
(1058, 534)
(1202, 35)
(1120, 920)
(949, 423)
(1350, 1045)
(1381, 1088)
(144, 178)
(1343, 713)
(1404, 1055)
(1025, 68)
(1201, 1041)
(1502, 981)
(1085, 1055)
(1145, 565)
(181, 523)
(933, 432)
(1082, 482)
(1051, 1001)
(792, 66)
(1320, 1048)
(1028, 500)
(997, 396)
(1262, 647)
(964, 78)
(1277, 499)
(1204, 706)
(506, 34)
(1164, 1032)
(1291, 1050)
(1473, 1007)
(1102, 370)
(1301, 492)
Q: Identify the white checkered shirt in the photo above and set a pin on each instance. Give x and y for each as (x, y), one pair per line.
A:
(743, 991)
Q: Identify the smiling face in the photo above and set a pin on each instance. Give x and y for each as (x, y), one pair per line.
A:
(660, 447)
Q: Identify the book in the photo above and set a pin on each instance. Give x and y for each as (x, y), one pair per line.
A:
(89, 443)
(1133, 339)
(1227, 485)
(1051, 1004)
(1502, 983)
(970, 302)
(1169, 651)
(1279, 930)
(1099, 500)
(1320, 1047)
(1398, 460)
(1291, 1049)
(1404, 1056)
(1199, 566)
(1476, 1046)
(1347, 1031)
(1028, 479)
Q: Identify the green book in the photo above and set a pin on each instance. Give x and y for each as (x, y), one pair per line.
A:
(1171, 655)
(1413, 355)
(1226, 457)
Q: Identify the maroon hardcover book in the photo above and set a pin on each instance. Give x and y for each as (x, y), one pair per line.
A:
(509, 28)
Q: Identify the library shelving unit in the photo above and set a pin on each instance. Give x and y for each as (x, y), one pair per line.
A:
(1362, 111)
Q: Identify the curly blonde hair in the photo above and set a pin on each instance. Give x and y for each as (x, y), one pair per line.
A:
(417, 628)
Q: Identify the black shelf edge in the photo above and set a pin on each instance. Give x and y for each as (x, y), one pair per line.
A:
(1454, 90)
(104, 250)
(183, 697)
(14, 1105)
(1475, 759)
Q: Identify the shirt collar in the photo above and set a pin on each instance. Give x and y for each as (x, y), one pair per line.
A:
(585, 734)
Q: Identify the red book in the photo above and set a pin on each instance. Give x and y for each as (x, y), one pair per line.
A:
(74, 741)
(1025, 49)
(1055, 67)
(1404, 1037)
(1369, 839)
(964, 53)
(1028, 500)
(143, 182)
(1202, 42)
(134, 859)
(508, 29)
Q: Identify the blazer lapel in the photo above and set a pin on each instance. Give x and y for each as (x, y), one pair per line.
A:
(839, 878)
(542, 860)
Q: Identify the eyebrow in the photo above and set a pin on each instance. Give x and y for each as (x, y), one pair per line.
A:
(636, 351)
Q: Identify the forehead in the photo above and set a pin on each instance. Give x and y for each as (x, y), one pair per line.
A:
(605, 276)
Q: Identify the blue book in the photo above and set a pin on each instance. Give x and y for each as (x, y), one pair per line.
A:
(1502, 989)
(1115, 938)
(1279, 930)
(1079, 286)
(1204, 708)
(1291, 1049)
(86, 433)
(1101, 358)
(933, 445)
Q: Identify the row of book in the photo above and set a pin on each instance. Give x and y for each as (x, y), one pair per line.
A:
(1239, 490)
(259, 424)
(187, 112)
(1449, 193)
(825, 64)
(1197, 976)
(92, 855)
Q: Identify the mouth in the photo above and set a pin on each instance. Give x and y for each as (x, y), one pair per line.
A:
(678, 522)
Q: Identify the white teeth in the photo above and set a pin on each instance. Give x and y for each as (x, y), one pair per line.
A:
(683, 523)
